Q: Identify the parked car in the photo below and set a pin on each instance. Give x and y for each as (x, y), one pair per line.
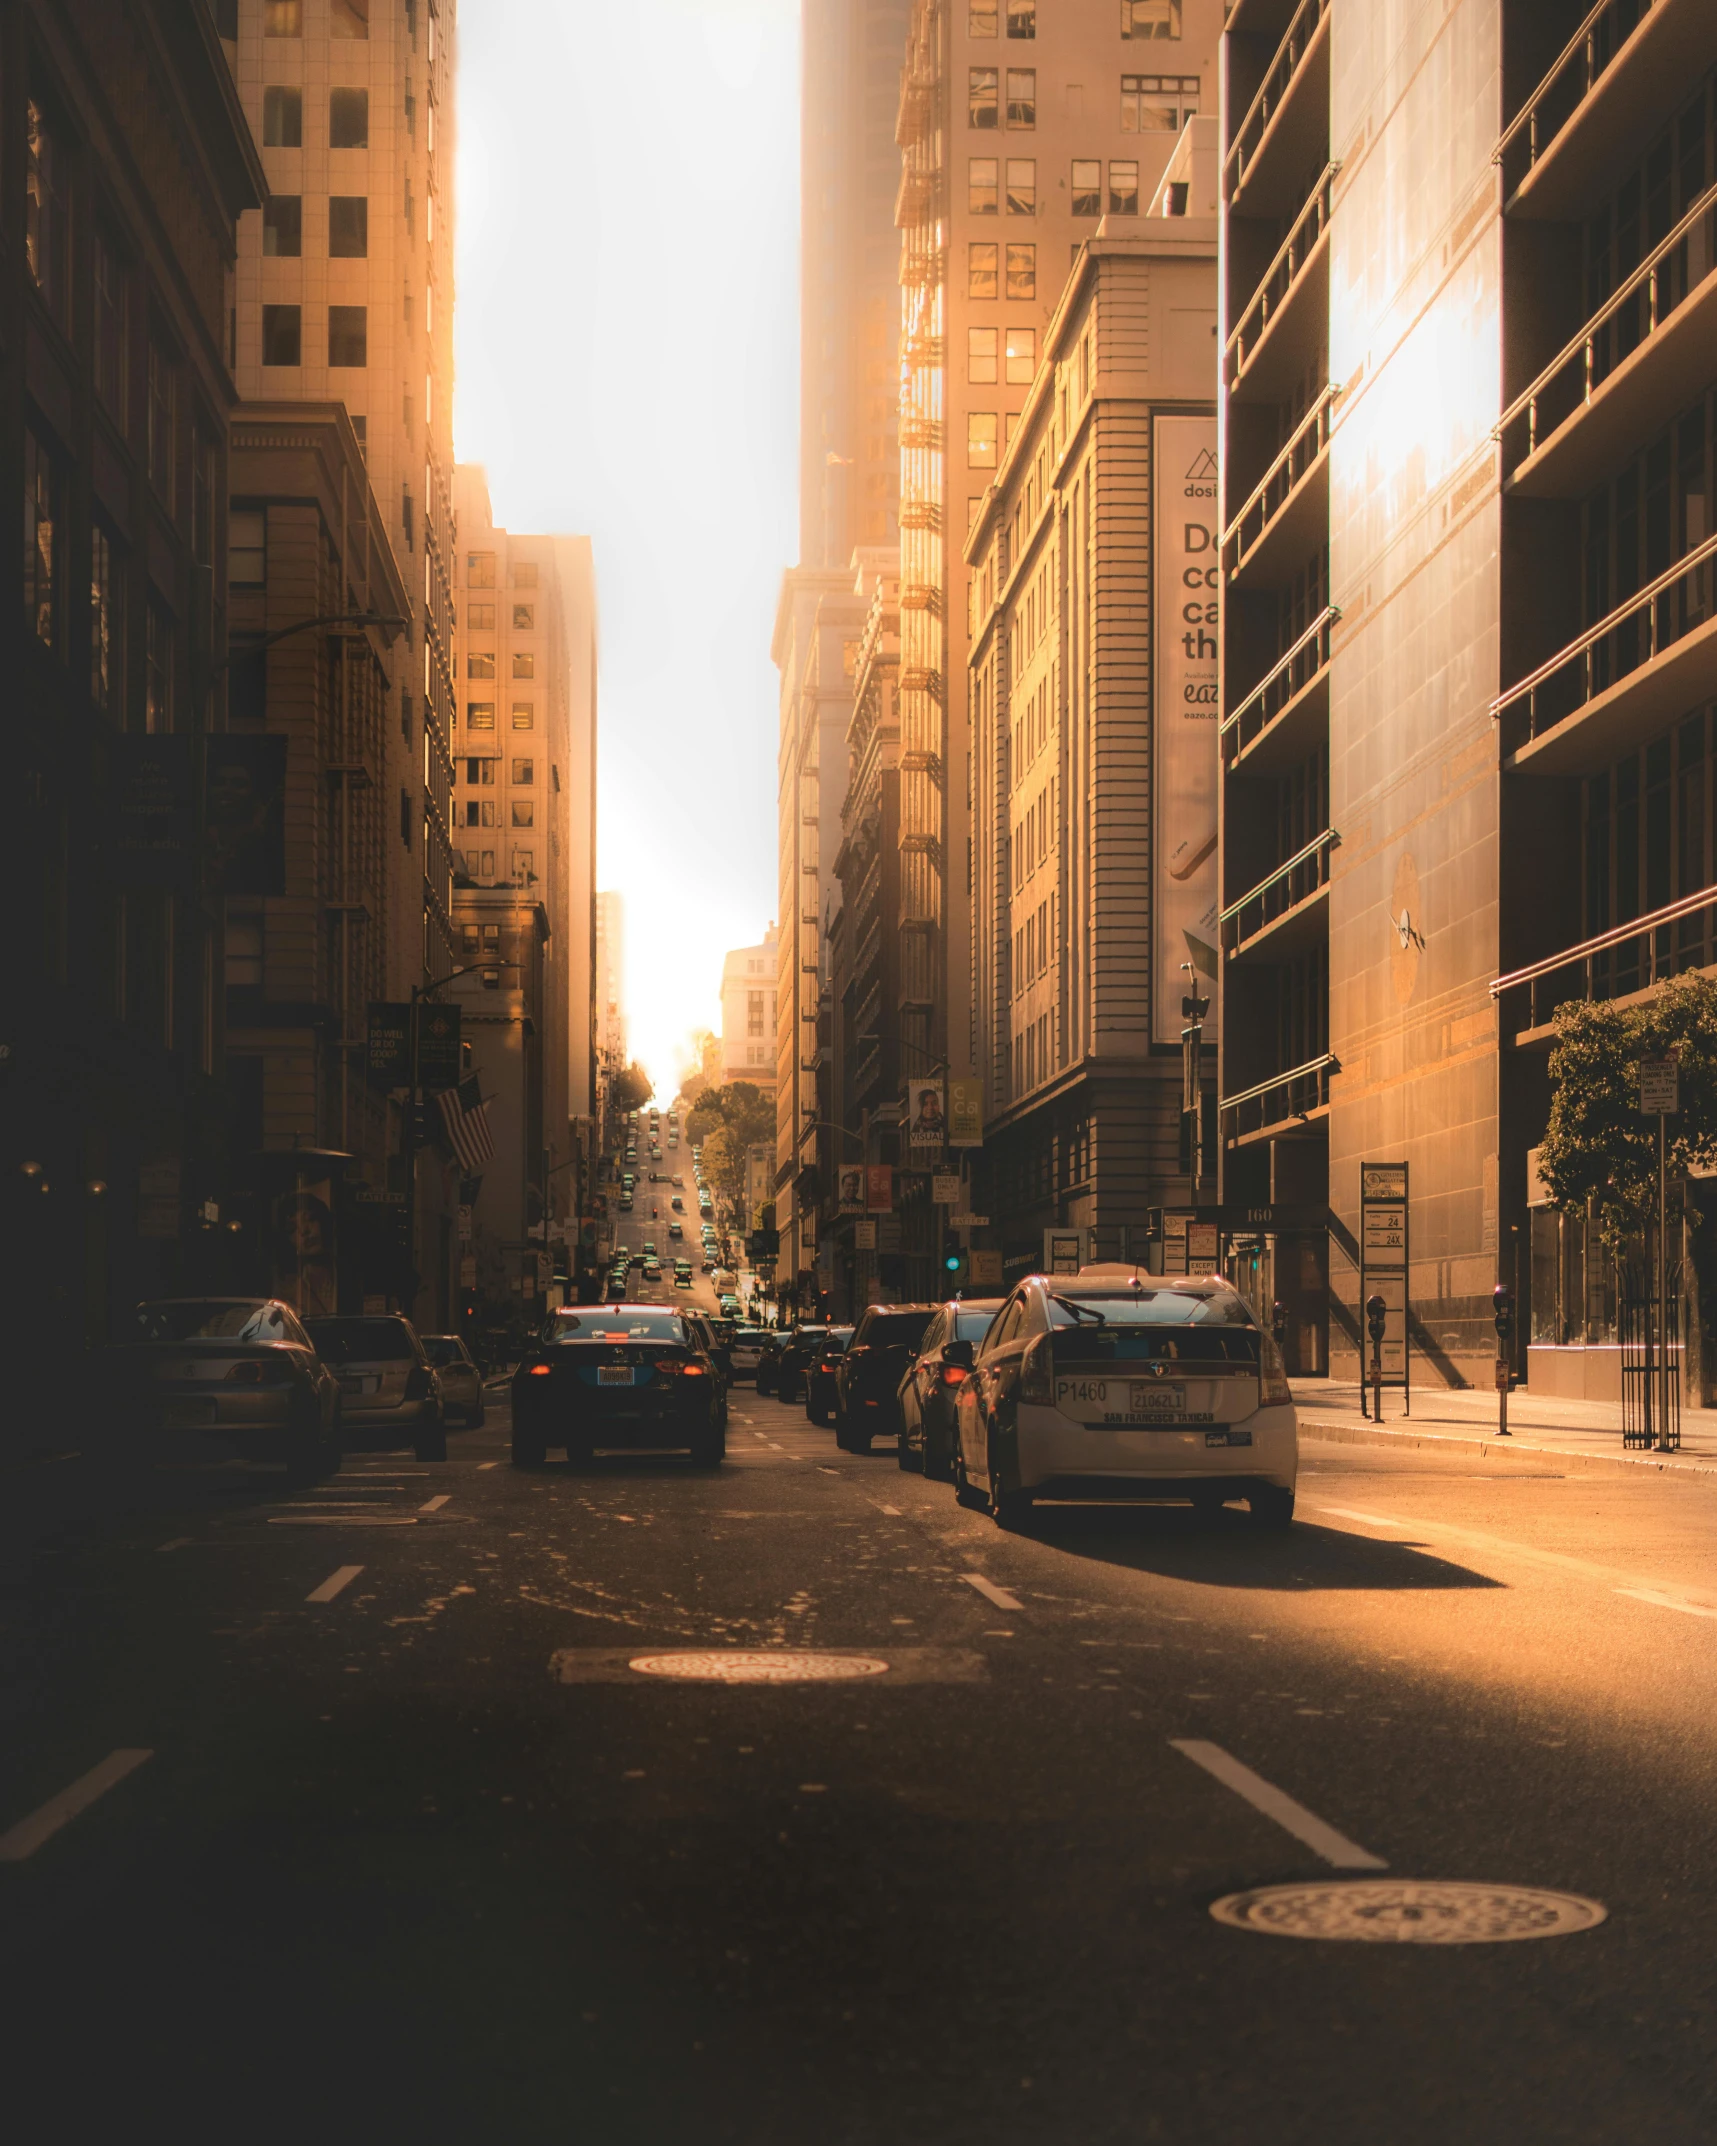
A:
(229, 1375)
(820, 1369)
(631, 1377)
(769, 1353)
(865, 1393)
(1121, 1384)
(746, 1349)
(927, 1392)
(710, 1341)
(387, 1383)
(461, 1381)
(789, 1376)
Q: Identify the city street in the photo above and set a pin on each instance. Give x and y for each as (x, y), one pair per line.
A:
(377, 1831)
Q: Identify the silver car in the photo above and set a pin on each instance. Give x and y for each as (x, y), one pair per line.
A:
(238, 1373)
(461, 1381)
(387, 1383)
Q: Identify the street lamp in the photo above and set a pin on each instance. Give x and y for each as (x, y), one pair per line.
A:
(247, 649)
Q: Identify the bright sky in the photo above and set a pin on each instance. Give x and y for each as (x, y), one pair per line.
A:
(628, 350)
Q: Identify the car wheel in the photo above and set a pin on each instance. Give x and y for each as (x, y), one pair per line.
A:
(934, 1458)
(964, 1494)
(1271, 1507)
(1010, 1509)
(479, 1415)
(908, 1457)
(528, 1452)
(819, 1416)
(709, 1451)
(1207, 1506)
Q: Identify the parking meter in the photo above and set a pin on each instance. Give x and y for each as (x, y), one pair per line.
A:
(1278, 1322)
(1376, 1313)
(1502, 1311)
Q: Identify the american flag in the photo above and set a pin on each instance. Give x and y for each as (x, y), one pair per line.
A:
(465, 1113)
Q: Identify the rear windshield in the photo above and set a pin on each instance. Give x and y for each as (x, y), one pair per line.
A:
(1150, 1307)
(444, 1349)
(898, 1328)
(750, 1336)
(204, 1322)
(362, 1341)
(974, 1325)
(633, 1324)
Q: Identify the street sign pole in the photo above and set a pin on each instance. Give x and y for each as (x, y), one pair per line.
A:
(1660, 1095)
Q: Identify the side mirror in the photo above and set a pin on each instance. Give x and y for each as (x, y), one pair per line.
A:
(958, 1352)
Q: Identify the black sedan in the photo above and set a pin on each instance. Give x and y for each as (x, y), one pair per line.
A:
(618, 1376)
(795, 1355)
(867, 1385)
(930, 1388)
(820, 1371)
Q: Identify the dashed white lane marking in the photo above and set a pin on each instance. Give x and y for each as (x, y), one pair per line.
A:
(893, 1511)
(482, 1464)
(1276, 1804)
(179, 1542)
(342, 1520)
(341, 1576)
(821, 1470)
(434, 1505)
(1659, 1600)
(991, 1592)
(28, 1834)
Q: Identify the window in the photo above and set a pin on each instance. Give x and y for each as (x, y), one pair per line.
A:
(244, 953)
(44, 207)
(479, 812)
(283, 118)
(105, 667)
(524, 864)
(981, 96)
(1087, 186)
(480, 618)
(283, 18)
(1022, 356)
(487, 864)
(524, 664)
(158, 668)
(480, 570)
(524, 715)
(1022, 186)
(480, 663)
(42, 542)
(480, 774)
(1022, 96)
(283, 225)
(1123, 187)
(247, 548)
(348, 335)
(980, 439)
(981, 188)
(282, 335)
(754, 1013)
(112, 330)
(1150, 18)
(348, 227)
(348, 119)
(981, 269)
(524, 771)
(163, 424)
(524, 618)
(1142, 108)
(981, 356)
(351, 18)
(405, 818)
(479, 715)
(1022, 271)
(525, 574)
(981, 18)
(1022, 18)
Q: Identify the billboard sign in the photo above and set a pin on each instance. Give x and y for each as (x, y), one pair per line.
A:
(879, 1188)
(966, 1112)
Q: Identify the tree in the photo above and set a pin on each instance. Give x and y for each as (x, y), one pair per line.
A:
(1599, 1148)
(724, 1168)
(632, 1088)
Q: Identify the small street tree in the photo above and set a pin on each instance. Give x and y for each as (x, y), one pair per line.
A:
(632, 1088)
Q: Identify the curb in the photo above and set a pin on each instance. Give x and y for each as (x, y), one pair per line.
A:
(1493, 1448)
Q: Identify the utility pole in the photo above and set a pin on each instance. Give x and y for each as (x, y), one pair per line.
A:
(1193, 1009)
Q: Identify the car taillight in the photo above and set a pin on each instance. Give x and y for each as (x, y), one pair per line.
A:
(540, 1371)
(952, 1374)
(692, 1371)
(831, 1365)
(259, 1371)
(1273, 1388)
(1035, 1383)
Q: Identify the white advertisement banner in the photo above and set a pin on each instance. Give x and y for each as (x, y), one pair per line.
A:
(1186, 626)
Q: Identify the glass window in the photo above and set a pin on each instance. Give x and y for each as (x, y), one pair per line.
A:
(44, 207)
(981, 439)
(1022, 18)
(348, 335)
(981, 96)
(1150, 18)
(524, 864)
(1022, 356)
(981, 356)
(1022, 96)
(480, 618)
(524, 664)
(106, 669)
(1087, 186)
(348, 227)
(480, 663)
(158, 669)
(247, 548)
(163, 423)
(480, 570)
(1142, 108)
(1022, 271)
(525, 574)
(282, 118)
(42, 542)
(981, 186)
(348, 119)
(524, 771)
(283, 18)
(981, 269)
(282, 335)
(1022, 186)
(283, 225)
(351, 18)
(524, 618)
(112, 329)
(524, 715)
(1123, 187)
(479, 715)
(981, 18)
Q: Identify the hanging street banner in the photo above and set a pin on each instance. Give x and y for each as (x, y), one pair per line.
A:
(437, 1047)
(966, 1112)
(879, 1188)
(1186, 625)
(388, 1057)
(926, 1120)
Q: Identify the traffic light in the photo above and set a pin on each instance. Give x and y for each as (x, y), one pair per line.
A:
(953, 1259)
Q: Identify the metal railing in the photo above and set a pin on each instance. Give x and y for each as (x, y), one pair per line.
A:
(1629, 957)
(1304, 874)
(1291, 675)
(1282, 277)
(1271, 493)
(1298, 1092)
(1638, 630)
(1273, 92)
(1626, 321)
(1573, 75)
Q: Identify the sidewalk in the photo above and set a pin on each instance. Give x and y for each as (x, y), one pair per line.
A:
(1584, 1434)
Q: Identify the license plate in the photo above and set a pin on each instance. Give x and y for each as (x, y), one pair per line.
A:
(183, 1415)
(1152, 1397)
(1123, 1400)
(614, 1374)
(359, 1385)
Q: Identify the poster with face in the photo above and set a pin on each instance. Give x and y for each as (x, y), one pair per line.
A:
(245, 799)
(927, 1126)
(850, 1189)
(303, 1247)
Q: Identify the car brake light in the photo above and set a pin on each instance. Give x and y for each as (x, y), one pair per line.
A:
(541, 1371)
(259, 1371)
(693, 1371)
(1034, 1380)
(952, 1374)
(1273, 1388)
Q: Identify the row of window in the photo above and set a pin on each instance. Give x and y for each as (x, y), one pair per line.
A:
(346, 18)
(1150, 104)
(984, 190)
(480, 663)
(480, 864)
(1031, 1059)
(348, 227)
(480, 772)
(283, 335)
(283, 117)
(988, 350)
(480, 812)
(1031, 945)
(1139, 18)
(480, 715)
(480, 618)
(480, 571)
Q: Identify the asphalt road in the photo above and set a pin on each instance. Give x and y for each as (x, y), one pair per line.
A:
(417, 1855)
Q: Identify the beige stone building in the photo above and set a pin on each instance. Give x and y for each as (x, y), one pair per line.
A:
(749, 984)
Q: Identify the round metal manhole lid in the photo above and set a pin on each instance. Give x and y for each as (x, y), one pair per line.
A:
(738, 1665)
(1407, 1911)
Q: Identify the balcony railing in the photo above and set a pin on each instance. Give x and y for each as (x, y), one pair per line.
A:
(1627, 958)
(1574, 75)
(920, 514)
(1279, 1100)
(920, 432)
(1296, 670)
(922, 271)
(1252, 524)
(1282, 277)
(1663, 281)
(1304, 874)
(1273, 92)
(922, 351)
(1636, 631)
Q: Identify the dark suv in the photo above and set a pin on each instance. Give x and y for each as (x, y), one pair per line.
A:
(795, 1355)
(867, 1385)
(820, 1368)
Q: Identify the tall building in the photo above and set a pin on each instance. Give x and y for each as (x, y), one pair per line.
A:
(128, 163)
(1021, 128)
(849, 477)
(611, 983)
(749, 983)
(575, 558)
(1468, 643)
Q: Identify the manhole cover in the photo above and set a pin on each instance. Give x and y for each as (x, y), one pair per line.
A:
(735, 1665)
(1404, 1911)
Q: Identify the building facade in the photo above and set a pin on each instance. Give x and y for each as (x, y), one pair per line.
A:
(749, 987)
